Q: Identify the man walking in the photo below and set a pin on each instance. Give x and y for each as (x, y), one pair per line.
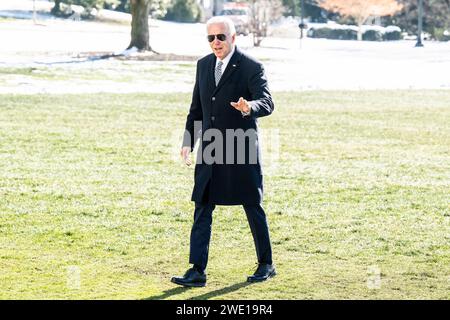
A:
(230, 93)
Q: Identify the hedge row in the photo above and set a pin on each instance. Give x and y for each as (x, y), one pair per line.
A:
(380, 34)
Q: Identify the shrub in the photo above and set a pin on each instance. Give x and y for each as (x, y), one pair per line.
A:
(441, 34)
(350, 32)
(392, 33)
(372, 35)
(184, 11)
(331, 33)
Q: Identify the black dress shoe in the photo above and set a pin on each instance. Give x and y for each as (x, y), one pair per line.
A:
(262, 273)
(192, 278)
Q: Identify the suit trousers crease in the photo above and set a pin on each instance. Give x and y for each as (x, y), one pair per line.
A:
(201, 233)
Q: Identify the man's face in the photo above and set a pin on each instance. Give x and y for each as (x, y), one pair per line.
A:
(221, 48)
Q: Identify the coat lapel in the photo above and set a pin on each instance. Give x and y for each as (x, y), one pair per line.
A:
(211, 82)
(231, 67)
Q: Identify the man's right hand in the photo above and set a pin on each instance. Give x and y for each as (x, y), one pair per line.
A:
(185, 152)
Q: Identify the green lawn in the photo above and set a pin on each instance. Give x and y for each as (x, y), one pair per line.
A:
(89, 190)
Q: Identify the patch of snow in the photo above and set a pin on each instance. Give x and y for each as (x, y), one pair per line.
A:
(26, 5)
(392, 29)
(335, 26)
(291, 64)
(127, 52)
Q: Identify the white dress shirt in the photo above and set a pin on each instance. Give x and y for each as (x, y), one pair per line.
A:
(226, 60)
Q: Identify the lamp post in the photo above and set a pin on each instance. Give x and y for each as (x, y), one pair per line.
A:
(302, 24)
(419, 22)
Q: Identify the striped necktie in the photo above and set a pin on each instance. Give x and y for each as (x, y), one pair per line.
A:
(218, 72)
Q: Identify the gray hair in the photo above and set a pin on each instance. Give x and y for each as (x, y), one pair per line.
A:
(222, 20)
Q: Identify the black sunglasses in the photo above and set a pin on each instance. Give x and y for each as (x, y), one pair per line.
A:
(220, 36)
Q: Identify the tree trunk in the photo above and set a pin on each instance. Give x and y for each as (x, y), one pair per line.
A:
(360, 21)
(34, 11)
(360, 33)
(56, 10)
(140, 35)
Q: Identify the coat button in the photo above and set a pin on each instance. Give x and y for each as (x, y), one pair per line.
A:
(213, 99)
(213, 118)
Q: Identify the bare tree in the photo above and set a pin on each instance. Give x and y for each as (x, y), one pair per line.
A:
(263, 12)
(34, 11)
(361, 10)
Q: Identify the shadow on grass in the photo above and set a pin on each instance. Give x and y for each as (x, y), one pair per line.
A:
(222, 291)
(168, 293)
(205, 296)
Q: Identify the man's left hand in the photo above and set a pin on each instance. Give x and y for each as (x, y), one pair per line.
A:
(242, 105)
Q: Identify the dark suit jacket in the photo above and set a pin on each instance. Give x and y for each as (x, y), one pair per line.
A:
(229, 184)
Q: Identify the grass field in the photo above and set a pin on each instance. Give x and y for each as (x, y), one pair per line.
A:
(92, 205)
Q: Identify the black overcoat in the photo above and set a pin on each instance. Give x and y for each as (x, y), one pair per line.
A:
(229, 183)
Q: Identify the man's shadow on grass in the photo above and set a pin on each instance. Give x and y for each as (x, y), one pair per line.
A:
(168, 293)
(219, 292)
(175, 291)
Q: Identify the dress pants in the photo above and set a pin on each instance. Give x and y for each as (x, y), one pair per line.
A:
(201, 233)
